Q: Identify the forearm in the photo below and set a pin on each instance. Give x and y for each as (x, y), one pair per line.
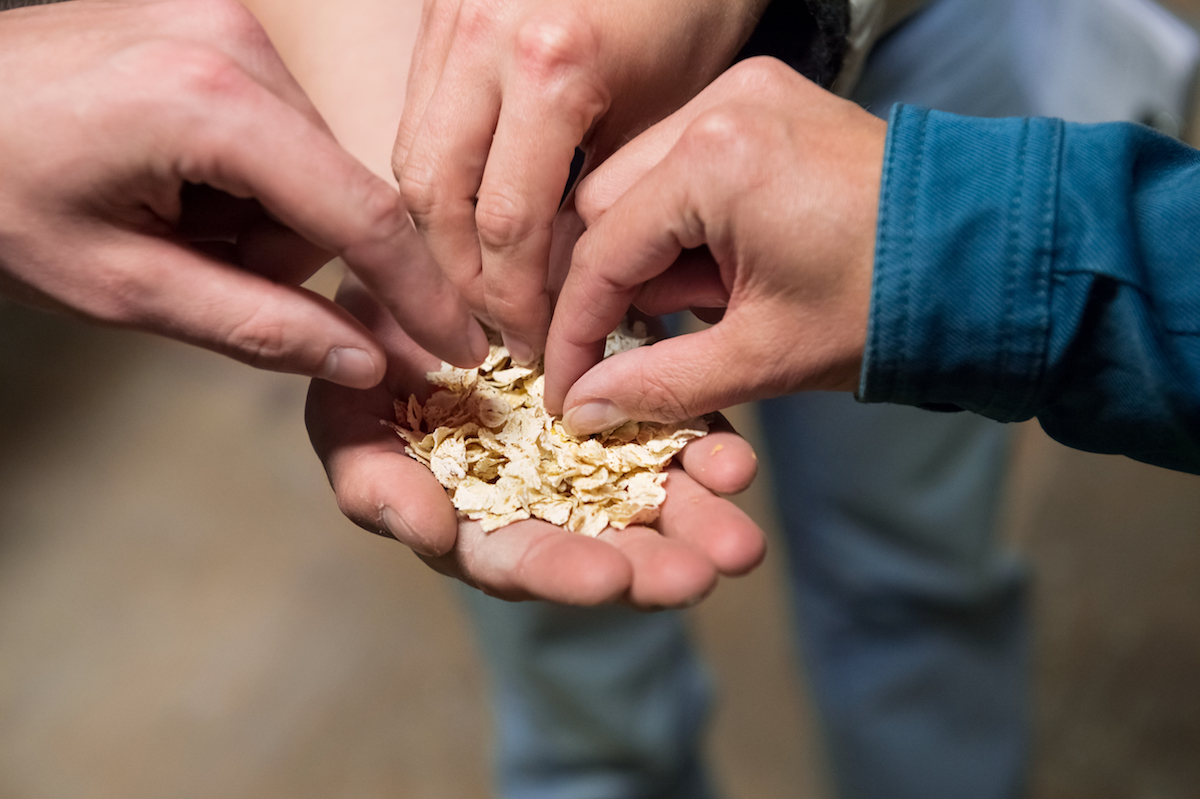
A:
(1036, 268)
(352, 59)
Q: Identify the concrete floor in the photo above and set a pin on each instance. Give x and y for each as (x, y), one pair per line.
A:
(184, 612)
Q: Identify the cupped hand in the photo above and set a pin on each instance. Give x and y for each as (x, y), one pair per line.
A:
(698, 537)
(756, 200)
(161, 170)
(500, 94)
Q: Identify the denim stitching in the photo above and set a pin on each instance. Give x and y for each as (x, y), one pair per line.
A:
(902, 302)
(1045, 266)
(1012, 250)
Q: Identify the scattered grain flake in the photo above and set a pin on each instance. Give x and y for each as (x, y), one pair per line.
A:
(486, 436)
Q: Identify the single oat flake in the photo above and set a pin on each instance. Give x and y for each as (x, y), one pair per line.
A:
(486, 436)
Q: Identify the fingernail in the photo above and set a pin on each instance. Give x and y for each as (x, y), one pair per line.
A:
(593, 416)
(522, 354)
(404, 533)
(477, 340)
(349, 366)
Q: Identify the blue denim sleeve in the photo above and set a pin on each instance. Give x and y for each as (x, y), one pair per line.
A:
(1035, 268)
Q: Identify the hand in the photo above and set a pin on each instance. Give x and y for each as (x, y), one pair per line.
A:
(161, 170)
(699, 537)
(501, 92)
(779, 180)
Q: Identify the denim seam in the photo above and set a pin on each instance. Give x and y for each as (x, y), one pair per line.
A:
(1008, 356)
(1042, 281)
(906, 271)
(867, 388)
(877, 381)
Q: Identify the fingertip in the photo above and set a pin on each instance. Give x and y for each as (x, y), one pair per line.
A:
(602, 585)
(353, 367)
(666, 573)
(593, 416)
(519, 350)
(470, 350)
(478, 342)
(576, 570)
(722, 462)
(716, 527)
(391, 492)
(738, 548)
(465, 350)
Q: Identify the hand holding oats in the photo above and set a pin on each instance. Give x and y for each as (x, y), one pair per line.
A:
(696, 537)
(486, 436)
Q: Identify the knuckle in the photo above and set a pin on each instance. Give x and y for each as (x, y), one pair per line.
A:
(376, 224)
(477, 19)
(228, 21)
(420, 188)
(721, 130)
(261, 339)
(557, 51)
(658, 395)
(202, 72)
(548, 43)
(503, 221)
(380, 213)
(732, 141)
(122, 297)
(520, 311)
(755, 74)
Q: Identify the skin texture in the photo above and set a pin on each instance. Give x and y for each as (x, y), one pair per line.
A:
(500, 94)
(756, 203)
(352, 52)
(699, 536)
(149, 180)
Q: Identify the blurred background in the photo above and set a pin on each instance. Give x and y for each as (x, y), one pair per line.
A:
(185, 613)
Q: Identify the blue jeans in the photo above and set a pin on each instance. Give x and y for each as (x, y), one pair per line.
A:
(911, 614)
(911, 617)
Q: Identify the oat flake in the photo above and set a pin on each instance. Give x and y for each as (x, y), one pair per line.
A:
(486, 436)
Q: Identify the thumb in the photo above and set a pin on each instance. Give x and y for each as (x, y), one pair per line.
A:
(669, 381)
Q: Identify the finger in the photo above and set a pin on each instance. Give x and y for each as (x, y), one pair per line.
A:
(431, 48)
(713, 526)
(638, 239)
(255, 145)
(602, 187)
(667, 573)
(693, 281)
(677, 379)
(378, 486)
(722, 461)
(407, 363)
(550, 101)
(440, 178)
(167, 289)
(536, 560)
(568, 227)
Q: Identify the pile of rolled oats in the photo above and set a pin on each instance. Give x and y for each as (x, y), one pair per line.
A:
(486, 436)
